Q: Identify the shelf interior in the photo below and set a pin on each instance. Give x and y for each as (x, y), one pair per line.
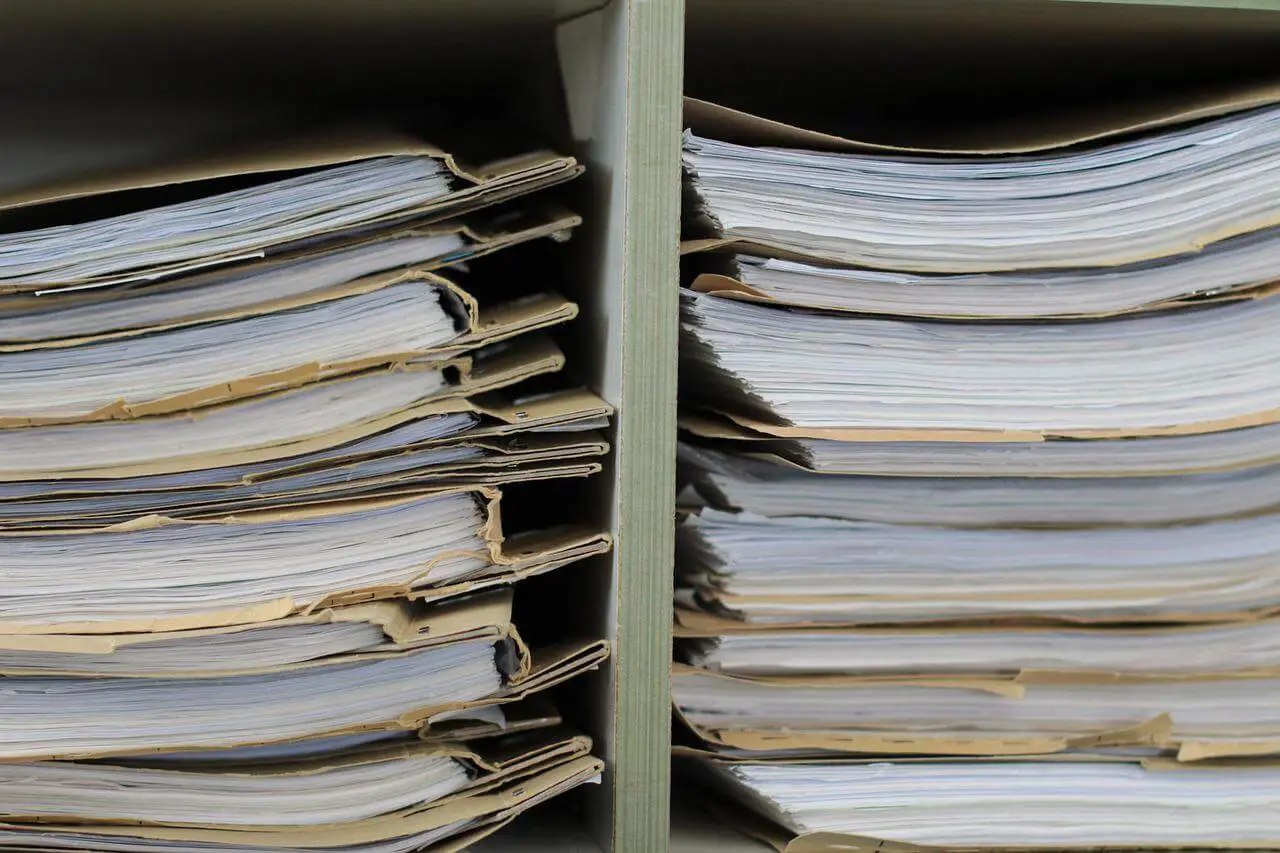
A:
(912, 71)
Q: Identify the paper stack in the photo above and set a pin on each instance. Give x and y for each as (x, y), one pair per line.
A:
(257, 594)
(980, 540)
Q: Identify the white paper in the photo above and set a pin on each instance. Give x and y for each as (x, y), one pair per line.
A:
(829, 570)
(79, 716)
(195, 568)
(764, 488)
(1020, 804)
(1237, 264)
(77, 381)
(1159, 195)
(281, 211)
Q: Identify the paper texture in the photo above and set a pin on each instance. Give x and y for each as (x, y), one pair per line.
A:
(257, 412)
(306, 278)
(411, 317)
(975, 525)
(372, 152)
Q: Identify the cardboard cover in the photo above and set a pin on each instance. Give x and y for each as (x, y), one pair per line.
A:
(1096, 124)
(506, 447)
(791, 453)
(507, 450)
(494, 762)
(535, 712)
(507, 460)
(727, 287)
(478, 328)
(502, 415)
(722, 800)
(769, 429)
(532, 553)
(481, 185)
(1154, 732)
(536, 671)
(707, 611)
(402, 623)
(692, 620)
(497, 804)
(550, 665)
(497, 322)
(407, 626)
(484, 235)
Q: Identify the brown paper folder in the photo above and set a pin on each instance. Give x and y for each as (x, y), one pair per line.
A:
(1155, 729)
(484, 235)
(498, 804)
(1098, 123)
(699, 767)
(493, 762)
(527, 673)
(535, 712)
(699, 616)
(501, 415)
(505, 459)
(728, 287)
(474, 374)
(478, 327)
(548, 666)
(771, 429)
(400, 621)
(480, 186)
(705, 608)
(406, 626)
(531, 553)
(506, 450)
(497, 322)
(505, 446)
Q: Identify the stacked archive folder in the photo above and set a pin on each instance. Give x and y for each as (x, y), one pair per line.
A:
(257, 411)
(980, 530)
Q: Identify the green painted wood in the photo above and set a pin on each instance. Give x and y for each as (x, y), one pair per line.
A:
(647, 424)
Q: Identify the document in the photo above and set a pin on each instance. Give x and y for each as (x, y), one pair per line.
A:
(1238, 268)
(330, 186)
(1140, 456)
(340, 786)
(831, 570)
(312, 418)
(825, 376)
(257, 411)
(1153, 197)
(305, 278)
(1014, 805)
(767, 488)
(1197, 718)
(976, 524)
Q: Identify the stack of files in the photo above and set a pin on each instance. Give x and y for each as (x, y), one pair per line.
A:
(399, 794)
(364, 725)
(979, 533)
(257, 414)
(1088, 803)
